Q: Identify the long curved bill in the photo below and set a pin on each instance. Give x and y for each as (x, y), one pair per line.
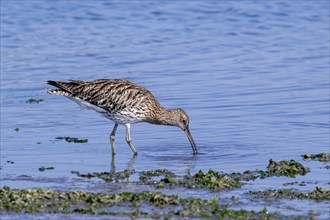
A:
(193, 145)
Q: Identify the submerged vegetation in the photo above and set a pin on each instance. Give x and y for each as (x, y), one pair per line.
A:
(322, 157)
(72, 139)
(289, 168)
(318, 194)
(212, 180)
(49, 201)
(43, 168)
(31, 100)
(159, 205)
(303, 183)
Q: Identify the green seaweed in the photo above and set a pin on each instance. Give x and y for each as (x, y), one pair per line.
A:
(288, 168)
(49, 201)
(299, 183)
(172, 206)
(318, 194)
(34, 101)
(107, 176)
(72, 139)
(158, 172)
(43, 168)
(322, 157)
(212, 180)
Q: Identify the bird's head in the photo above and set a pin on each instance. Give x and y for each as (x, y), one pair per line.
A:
(181, 120)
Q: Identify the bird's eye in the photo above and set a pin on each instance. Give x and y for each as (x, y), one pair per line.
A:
(184, 121)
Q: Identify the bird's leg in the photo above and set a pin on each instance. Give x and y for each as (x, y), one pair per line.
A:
(113, 165)
(112, 138)
(129, 139)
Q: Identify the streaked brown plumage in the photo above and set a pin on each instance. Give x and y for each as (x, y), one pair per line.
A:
(123, 102)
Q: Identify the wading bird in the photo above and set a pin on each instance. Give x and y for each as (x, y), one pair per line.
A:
(123, 102)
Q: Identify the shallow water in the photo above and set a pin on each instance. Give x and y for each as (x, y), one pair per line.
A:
(254, 79)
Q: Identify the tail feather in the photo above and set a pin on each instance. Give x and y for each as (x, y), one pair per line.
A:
(60, 85)
(64, 88)
(59, 92)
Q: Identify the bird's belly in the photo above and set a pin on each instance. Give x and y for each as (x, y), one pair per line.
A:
(122, 119)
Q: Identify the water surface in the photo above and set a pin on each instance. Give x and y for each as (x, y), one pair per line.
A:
(253, 77)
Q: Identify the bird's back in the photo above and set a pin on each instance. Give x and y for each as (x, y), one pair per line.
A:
(120, 100)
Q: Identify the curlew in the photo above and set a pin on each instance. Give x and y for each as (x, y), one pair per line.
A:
(123, 102)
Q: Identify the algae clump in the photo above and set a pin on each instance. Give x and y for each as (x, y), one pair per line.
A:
(72, 139)
(80, 202)
(31, 100)
(318, 194)
(214, 180)
(289, 168)
(322, 157)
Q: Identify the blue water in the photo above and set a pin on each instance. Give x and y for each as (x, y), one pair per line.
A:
(253, 76)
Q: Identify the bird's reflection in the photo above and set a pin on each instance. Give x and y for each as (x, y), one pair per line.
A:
(129, 163)
(192, 165)
(176, 162)
(125, 174)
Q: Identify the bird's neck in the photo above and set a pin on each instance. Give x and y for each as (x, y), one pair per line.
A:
(163, 116)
